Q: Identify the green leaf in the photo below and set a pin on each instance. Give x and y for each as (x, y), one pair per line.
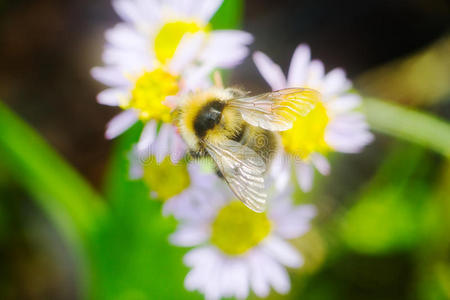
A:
(410, 125)
(60, 191)
(394, 211)
(229, 15)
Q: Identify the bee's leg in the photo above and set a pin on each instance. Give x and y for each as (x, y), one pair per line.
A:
(218, 173)
(218, 82)
(197, 154)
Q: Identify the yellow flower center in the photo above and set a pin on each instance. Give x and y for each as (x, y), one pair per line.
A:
(308, 134)
(170, 35)
(166, 179)
(150, 90)
(237, 229)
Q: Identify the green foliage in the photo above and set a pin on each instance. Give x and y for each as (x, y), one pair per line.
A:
(58, 187)
(229, 15)
(394, 211)
(410, 125)
(59, 190)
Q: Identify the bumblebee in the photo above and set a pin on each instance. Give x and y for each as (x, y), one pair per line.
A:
(239, 132)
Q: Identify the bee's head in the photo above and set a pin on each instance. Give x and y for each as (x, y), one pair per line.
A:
(208, 117)
(205, 115)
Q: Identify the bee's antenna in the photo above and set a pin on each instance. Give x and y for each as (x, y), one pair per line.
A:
(218, 82)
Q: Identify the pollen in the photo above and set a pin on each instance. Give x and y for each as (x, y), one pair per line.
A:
(170, 35)
(156, 176)
(149, 92)
(236, 229)
(307, 135)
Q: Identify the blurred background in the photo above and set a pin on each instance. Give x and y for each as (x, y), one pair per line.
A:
(383, 231)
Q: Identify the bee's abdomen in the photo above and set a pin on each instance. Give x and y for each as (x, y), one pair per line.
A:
(263, 142)
(239, 135)
(208, 117)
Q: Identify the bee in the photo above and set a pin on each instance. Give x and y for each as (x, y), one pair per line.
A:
(238, 132)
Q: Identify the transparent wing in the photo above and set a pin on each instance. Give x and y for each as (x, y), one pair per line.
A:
(276, 111)
(243, 170)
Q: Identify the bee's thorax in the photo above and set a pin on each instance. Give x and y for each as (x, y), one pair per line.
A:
(208, 117)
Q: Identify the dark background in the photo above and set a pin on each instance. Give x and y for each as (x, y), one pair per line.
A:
(47, 48)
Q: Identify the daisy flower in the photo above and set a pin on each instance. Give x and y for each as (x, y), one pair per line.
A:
(186, 193)
(160, 51)
(237, 250)
(333, 125)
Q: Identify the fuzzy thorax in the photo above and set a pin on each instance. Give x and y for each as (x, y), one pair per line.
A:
(192, 107)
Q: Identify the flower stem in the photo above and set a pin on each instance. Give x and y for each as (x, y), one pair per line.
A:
(408, 124)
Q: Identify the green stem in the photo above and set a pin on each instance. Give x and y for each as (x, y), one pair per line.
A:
(71, 204)
(57, 186)
(410, 125)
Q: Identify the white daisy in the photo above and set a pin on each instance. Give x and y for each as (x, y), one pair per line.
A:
(189, 186)
(238, 250)
(195, 197)
(162, 50)
(333, 125)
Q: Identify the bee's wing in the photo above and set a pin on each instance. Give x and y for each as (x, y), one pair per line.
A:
(276, 111)
(243, 170)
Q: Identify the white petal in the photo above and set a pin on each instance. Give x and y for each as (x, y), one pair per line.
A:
(196, 278)
(226, 279)
(224, 57)
(283, 252)
(200, 256)
(128, 11)
(335, 82)
(189, 235)
(348, 143)
(230, 38)
(208, 9)
(199, 276)
(136, 171)
(192, 205)
(240, 279)
(120, 123)
(315, 74)
(128, 61)
(198, 77)
(295, 222)
(151, 10)
(186, 52)
(345, 126)
(351, 117)
(178, 148)
(271, 72)
(109, 76)
(321, 163)
(182, 7)
(258, 281)
(124, 36)
(275, 274)
(111, 97)
(305, 175)
(348, 133)
(344, 103)
(226, 48)
(148, 136)
(280, 171)
(298, 69)
(212, 289)
(161, 145)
